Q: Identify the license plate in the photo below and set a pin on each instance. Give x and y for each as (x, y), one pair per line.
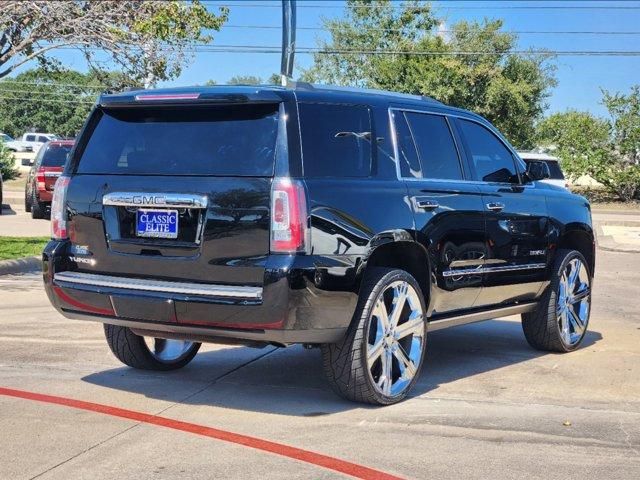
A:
(157, 223)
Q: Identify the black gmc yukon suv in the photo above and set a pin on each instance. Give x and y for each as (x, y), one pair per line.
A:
(352, 220)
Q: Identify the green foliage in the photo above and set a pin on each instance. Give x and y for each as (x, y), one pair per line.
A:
(8, 168)
(625, 122)
(472, 67)
(245, 80)
(54, 102)
(607, 150)
(147, 40)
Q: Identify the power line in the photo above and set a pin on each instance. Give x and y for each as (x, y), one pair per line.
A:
(49, 84)
(39, 100)
(516, 32)
(452, 7)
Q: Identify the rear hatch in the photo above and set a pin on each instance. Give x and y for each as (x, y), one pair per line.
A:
(175, 193)
(51, 166)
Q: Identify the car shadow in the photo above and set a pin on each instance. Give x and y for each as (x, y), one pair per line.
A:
(290, 381)
(7, 210)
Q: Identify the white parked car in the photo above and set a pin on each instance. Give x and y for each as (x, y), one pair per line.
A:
(557, 177)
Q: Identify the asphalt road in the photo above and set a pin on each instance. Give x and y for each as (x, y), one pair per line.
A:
(486, 405)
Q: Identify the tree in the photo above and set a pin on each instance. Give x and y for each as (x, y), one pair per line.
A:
(244, 80)
(404, 50)
(605, 150)
(8, 170)
(624, 111)
(56, 102)
(147, 40)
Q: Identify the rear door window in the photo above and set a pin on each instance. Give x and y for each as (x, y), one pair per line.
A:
(554, 169)
(492, 160)
(237, 140)
(336, 140)
(436, 147)
(55, 155)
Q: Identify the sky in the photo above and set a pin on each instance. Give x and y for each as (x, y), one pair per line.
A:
(580, 78)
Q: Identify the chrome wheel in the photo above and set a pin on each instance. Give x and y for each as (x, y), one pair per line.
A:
(168, 351)
(573, 303)
(395, 340)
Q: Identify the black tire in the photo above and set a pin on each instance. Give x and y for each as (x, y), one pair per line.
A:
(37, 207)
(132, 350)
(345, 363)
(27, 202)
(542, 326)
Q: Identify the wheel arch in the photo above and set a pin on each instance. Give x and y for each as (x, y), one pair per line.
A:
(582, 239)
(405, 254)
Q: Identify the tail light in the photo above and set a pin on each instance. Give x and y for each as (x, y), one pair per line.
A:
(289, 228)
(40, 179)
(59, 230)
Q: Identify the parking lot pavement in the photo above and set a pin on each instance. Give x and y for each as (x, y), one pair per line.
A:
(486, 405)
(15, 222)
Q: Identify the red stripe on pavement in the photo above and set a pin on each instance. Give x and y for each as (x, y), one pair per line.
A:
(331, 463)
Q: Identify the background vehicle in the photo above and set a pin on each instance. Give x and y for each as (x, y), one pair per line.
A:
(31, 142)
(46, 169)
(351, 220)
(556, 176)
(14, 145)
(1, 198)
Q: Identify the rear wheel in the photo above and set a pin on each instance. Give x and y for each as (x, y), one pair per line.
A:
(380, 358)
(27, 202)
(560, 321)
(148, 353)
(37, 207)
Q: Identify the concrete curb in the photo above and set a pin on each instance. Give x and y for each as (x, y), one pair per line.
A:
(20, 265)
(607, 243)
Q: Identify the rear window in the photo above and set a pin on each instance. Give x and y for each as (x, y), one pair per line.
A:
(336, 140)
(556, 172)
(55, 155)
(228, 141)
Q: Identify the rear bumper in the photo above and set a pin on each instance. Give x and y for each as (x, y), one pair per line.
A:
(289, 307)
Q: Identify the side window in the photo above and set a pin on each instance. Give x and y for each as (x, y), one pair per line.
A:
(30, 138)
(336, 140)
(493, 162)
(43, 139)
(409, 163)
(436, 147)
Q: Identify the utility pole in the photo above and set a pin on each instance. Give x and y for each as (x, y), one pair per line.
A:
(288, 40)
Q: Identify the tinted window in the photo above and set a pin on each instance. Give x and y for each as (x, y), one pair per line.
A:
(336, 140)
(436, 148)
(234, 141)
(554, 169)
(31, 138)
(55, 155)
(493, 162)
(43, 139)
(409, 163)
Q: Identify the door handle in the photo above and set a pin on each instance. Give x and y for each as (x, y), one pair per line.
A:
(426, 204)
(495, 206)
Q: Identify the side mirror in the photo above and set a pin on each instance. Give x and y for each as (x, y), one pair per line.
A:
(537, 171)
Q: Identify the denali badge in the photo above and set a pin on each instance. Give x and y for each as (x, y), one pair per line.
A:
(537, 252)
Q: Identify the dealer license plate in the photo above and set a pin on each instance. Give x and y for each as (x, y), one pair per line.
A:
(157, 223)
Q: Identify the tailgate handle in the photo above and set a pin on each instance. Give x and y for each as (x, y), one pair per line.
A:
(145, 199)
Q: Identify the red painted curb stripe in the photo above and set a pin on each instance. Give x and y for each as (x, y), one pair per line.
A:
(331, 463)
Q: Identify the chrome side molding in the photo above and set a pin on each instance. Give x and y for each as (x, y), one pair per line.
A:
(498, 269)
(453, 321)
(183, 288)
(147, 199)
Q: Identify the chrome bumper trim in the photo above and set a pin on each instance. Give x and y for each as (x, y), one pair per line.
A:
(184, 288)
(499, 269)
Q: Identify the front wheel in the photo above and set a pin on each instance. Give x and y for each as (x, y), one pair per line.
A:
(560, 321)
(381, 356)
(146, 353)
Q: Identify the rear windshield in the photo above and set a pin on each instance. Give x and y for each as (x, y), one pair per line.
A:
(55, 155)
(228, 141)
